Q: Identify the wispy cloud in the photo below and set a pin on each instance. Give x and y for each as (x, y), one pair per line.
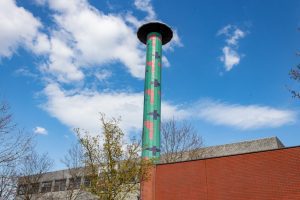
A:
(175, 42)
(40, 130)
(82, 108)
(103, 74)
(146, 6)
(230, 56)
(242, 117)
(24, 71)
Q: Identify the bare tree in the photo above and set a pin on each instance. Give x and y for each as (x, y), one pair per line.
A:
(179, 141)
(8, 181)
(14, 145)
(32, 169)
(295, 75)
(74, 163)
(74, 157)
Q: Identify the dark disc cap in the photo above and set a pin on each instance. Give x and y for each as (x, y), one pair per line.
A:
(165, 31)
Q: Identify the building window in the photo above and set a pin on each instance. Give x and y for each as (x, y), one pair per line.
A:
(22, 189)
(87, 181)
(46, 186)
(34, 188)
(74, 183)
(60, 185)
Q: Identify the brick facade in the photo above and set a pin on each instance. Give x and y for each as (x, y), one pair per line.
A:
(266, 175)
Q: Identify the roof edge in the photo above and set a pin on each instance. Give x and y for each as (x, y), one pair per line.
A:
(253, 152)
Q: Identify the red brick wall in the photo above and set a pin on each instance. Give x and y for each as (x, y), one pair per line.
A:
(265, 175)
(148, 186)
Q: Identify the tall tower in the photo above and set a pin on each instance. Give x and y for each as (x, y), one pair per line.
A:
(154, 35)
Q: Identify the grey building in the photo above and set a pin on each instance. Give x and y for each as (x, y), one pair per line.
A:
(63, 184)
(241, 147)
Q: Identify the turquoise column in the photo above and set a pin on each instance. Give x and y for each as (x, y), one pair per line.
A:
(152, 97)
(154, 35)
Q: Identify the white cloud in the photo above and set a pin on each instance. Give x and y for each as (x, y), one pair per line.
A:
(40, 130)
(82, 37)
(90, 38)
(23, 71)
(237, 34)
(62, 63)
(146, 6)
(85, 37)
(18, 27)
(230, 56)
(40, 44)
(175, 42)
(103, 74)
(40, 2)
(165, 61)
(224, 30)
(81, 109)
(133, 20)
(243, 117)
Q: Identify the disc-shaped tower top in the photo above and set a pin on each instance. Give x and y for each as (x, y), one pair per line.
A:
(165, 31)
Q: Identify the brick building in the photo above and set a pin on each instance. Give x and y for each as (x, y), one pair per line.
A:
(259, 169)
(260, 174)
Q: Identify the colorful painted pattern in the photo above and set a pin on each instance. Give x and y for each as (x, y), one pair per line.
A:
(152, 98)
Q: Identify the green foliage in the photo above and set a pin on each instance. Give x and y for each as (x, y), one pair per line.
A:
(113, 167)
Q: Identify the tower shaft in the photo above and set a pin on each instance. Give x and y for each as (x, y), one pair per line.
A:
(154, 35)
(152, 97)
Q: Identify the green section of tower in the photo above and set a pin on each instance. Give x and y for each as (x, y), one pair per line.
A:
(152, 98)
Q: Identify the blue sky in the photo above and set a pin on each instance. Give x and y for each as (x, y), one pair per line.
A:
(225, 71)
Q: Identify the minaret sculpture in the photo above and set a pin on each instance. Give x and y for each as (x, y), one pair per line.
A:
(154, 35)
